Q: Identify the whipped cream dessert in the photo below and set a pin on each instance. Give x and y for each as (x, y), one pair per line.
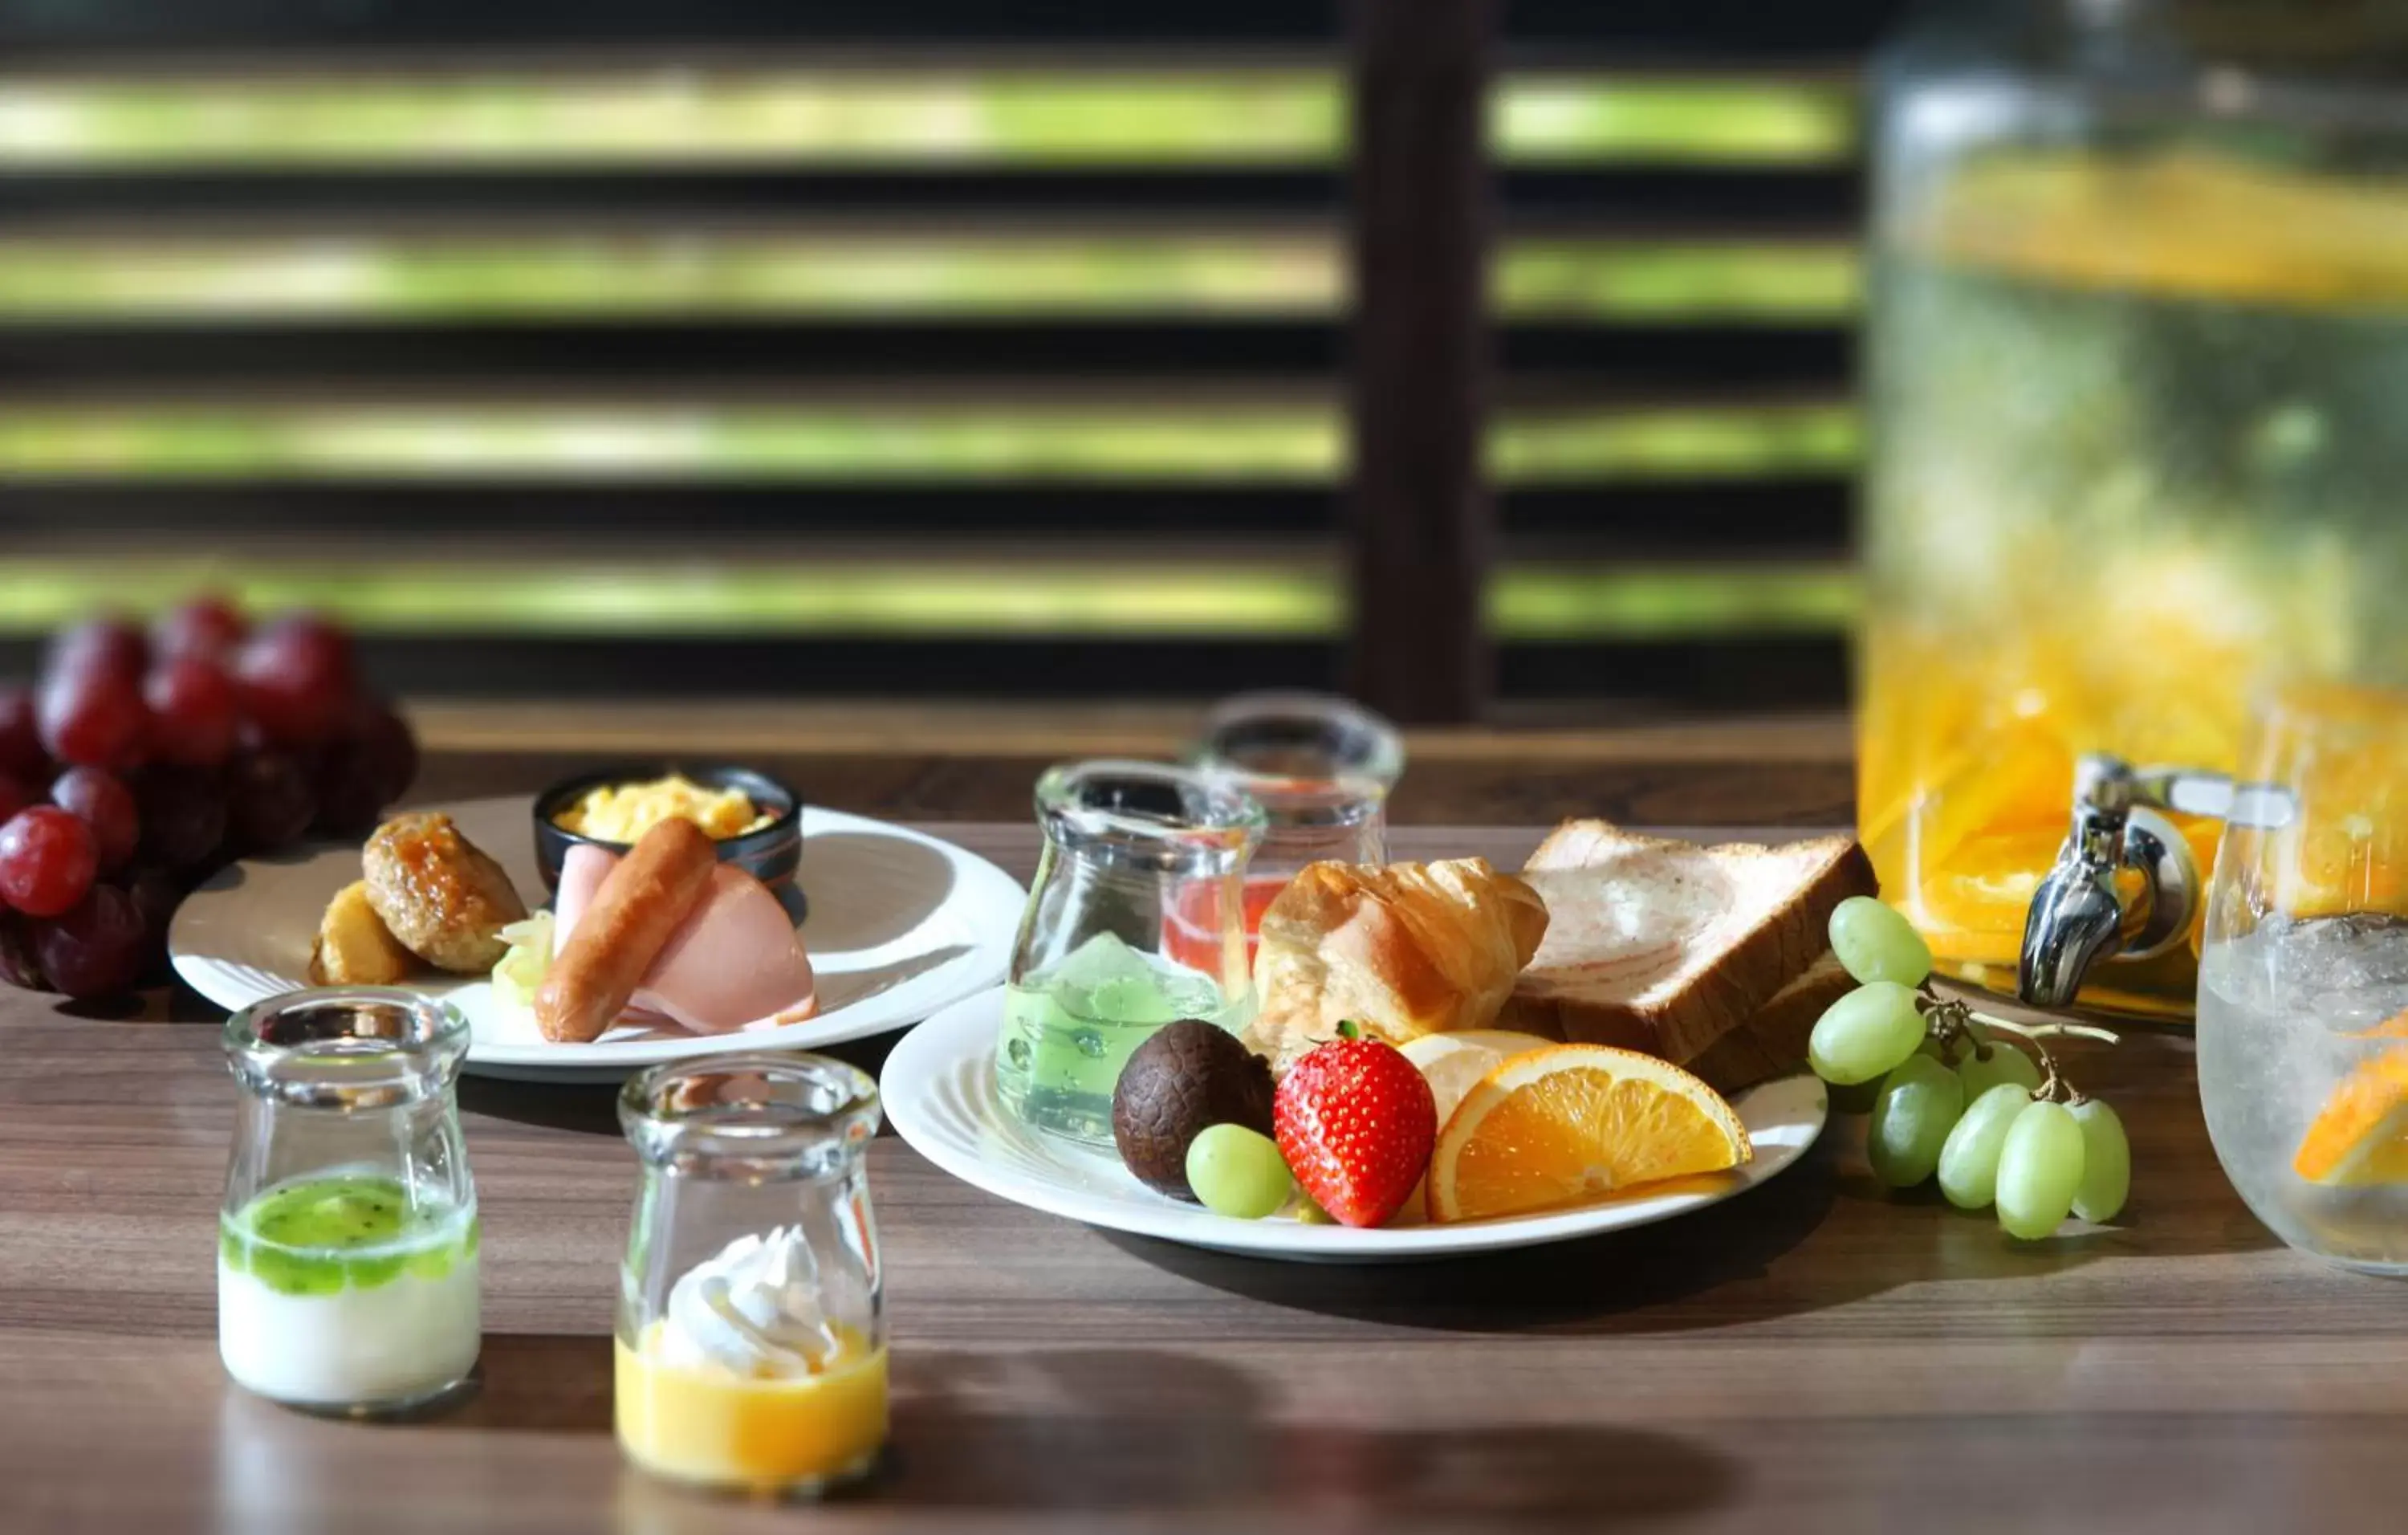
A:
(345, 1292)
(753, 1310)
(745, 1379)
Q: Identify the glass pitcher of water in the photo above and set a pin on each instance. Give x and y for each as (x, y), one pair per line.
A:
(1137, 919)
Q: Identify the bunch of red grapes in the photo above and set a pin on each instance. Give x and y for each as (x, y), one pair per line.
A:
(141, 762)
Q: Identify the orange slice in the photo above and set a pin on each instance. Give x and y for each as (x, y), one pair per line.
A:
(1571, 1124)
(2361, 1136)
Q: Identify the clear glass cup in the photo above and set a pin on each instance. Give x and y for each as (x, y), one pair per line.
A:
(1136, 919)
(1321, 766)
(752, 1333)
(2303, 978)
(347, 1245)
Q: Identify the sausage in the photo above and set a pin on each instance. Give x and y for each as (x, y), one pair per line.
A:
(640, 903)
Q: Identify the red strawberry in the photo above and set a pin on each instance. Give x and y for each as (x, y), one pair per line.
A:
(1355, 1122)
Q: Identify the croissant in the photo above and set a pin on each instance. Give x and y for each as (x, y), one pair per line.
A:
(1404, 950)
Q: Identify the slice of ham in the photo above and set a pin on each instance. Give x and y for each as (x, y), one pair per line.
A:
(580, 875)
(735, 961)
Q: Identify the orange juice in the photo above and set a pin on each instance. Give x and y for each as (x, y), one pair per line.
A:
(763, 1434)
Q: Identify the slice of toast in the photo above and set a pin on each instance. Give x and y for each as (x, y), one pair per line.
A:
(1666, 946)
(1772, 1042)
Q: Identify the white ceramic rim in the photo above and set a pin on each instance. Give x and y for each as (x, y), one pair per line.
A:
(981, 899)
(1784, 1118)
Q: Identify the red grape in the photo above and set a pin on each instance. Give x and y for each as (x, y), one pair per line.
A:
(349, 787)
(20, 735)
(193, 707)
(19, 965)
(296, 680)
(47, 860)
(97, 948)
(14, 796)
(385, 737)
(104, 805)
(364, 768)
(93, 718)
(269, 803)
(155, 895)
(183, 817)
(209, 627)
(109, 646)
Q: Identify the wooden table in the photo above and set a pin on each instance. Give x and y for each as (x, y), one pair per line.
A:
(1811, 1355)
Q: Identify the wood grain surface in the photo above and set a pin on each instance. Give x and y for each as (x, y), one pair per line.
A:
(1811, 1355)
(939, 761)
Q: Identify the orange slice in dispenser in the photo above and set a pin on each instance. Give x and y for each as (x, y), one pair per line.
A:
(1982, 834)
(2352, 842)
(2017, 780)
(2360, 1136)
(1972, 907)
(1571, 1125)
(2342, 864)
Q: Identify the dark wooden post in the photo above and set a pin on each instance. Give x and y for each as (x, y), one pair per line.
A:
(1420, 515)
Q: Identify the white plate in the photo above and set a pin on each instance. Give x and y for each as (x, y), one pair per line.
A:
(939, 1093)
(900, 924)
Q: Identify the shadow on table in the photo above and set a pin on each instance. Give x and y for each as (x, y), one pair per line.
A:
(538, 1382)
(1137, 1429)
(1583, 1285)
(592, 1108)
(582, 1108)
(1100, 1430)
(1723, 1265)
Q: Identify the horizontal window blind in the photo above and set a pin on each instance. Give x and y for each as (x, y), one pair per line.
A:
(903, 351)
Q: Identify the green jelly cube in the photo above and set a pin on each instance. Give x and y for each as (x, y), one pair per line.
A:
(367, 1274)
(289, 1273)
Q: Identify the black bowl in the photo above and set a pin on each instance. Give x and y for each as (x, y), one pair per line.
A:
(771, 854)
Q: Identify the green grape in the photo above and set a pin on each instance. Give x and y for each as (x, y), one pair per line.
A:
(1236, 1172)
(2040, 1168)
(1918, 1106)
(1969, 1163)
(1875, 943)
(2005, 1063)
(2106, 1162)
(1865, 1034)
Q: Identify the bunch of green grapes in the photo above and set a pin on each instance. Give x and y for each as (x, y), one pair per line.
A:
(1957, 1101)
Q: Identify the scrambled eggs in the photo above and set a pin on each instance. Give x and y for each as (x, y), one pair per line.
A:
(623, 813)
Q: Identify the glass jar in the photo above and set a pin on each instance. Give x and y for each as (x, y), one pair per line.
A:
(752, 1334)
(1137, 919)
(1322, 768)
(2138, 372)
(347, 1243)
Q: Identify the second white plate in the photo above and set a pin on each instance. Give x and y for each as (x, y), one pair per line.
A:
(938, 1088)
(900, 925)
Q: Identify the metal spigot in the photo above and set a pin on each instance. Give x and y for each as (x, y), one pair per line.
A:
(2077, 917)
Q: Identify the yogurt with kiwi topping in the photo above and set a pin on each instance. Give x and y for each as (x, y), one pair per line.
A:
(348, 1291)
